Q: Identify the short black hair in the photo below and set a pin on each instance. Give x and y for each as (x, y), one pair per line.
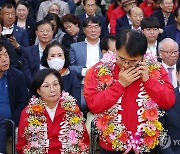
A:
(22, 2)
(55, 17)
(104, 42)
(43, 22)
(46, 51)
(7, 5)
(150, 22)
(84, 2)
(92, 19)
(176, 11)
(39, 77)
(3, 45)
(134, 42)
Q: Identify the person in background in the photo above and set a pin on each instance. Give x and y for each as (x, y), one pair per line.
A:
(169, 53)
(25, 21)
(55, 56)
(115, 93)
(55, 8)
(52, 122)
(173, 30)
(44, 8)
(32, 55)
(172, 121)
(57, 32)
(73, 34)
(2, 136)
(11, 51)
(165, 15)
(150, 28)
(13, 88)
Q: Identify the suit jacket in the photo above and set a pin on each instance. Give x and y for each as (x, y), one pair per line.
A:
(31, 63)
(21, 36)
(169, 31)
(44, 7)
(172, 120)
(160, 17)
(104, 25)
(78, 57)
(18, 94)
(2, 136)
(121, 22)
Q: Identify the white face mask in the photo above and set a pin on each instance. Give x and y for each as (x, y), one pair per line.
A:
(56, 63)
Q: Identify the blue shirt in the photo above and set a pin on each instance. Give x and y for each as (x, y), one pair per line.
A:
(5, 109)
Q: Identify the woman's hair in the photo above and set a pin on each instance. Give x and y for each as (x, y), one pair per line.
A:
(40, 77)
(134, 42)
(71, 18)
(22, 2)
(46, 52)
(55, 17)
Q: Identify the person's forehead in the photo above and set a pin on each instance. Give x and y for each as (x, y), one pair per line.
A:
(90, 2)
(5, 9)
(3, 50)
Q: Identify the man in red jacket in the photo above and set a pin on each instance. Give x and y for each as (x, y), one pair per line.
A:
(126, 96)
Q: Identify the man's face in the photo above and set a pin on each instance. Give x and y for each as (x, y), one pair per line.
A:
(8, 16)
(123, 60)
(151, 34)
(136, 16)
(4, 60)
(44, 33)
(167, 6)
(90, 7)
(169, 53)
(92, 31)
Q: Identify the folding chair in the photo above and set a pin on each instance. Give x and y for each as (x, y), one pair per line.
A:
(94, 137)
(10, 129)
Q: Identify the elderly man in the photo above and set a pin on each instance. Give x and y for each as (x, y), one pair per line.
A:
(169, 53)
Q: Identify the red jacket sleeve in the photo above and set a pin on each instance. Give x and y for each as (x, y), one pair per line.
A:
(161, 92)
(99, 101)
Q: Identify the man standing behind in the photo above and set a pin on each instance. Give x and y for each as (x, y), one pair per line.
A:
(169, 53)
(13, 89)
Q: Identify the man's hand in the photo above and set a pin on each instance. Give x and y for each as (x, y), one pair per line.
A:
(12, 39)
(128, 76)
(143, 68)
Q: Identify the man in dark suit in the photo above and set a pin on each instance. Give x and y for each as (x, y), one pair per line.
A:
(125, 19)
(16, 35)
(32, 55)
(13, 88)
(90, 9)
(172, 120)
(173, 30)
(165, 15)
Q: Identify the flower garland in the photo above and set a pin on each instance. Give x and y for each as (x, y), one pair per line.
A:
(36, 131)
(109, 126)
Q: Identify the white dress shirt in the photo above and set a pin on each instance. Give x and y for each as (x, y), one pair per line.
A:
(174, 79)
(51, 112)
(7, 30)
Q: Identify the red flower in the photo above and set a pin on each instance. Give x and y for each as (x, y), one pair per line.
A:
(37, 108)
(148, 140)
(123, 137)
(106, 79)
(102, 122)
(155, 74)
(151, 114)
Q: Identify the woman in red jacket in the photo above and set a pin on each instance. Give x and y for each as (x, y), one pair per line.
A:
(125, 96)
(52, 122)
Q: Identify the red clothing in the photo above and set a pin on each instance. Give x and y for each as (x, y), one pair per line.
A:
(99, 101)
(146, 9)
(54, 128)
(116, 13)
(109, 11)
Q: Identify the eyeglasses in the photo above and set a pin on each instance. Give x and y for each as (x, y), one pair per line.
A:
(170, 53)
(93, 27)
(90, 5)
(55, 85)
(129, 62)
